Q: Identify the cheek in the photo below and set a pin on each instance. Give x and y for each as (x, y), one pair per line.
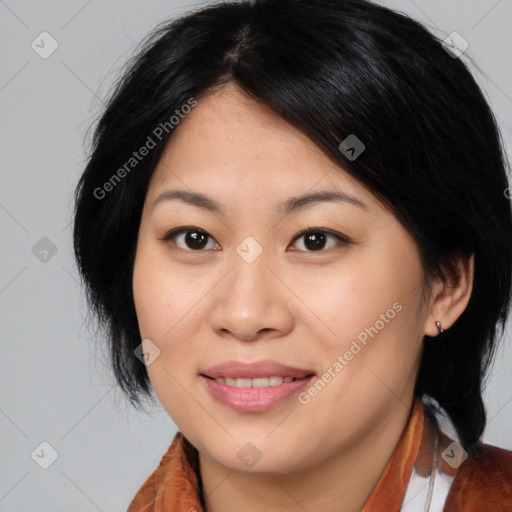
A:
(372, 307)
(352, 299)
(162, 296)
(170, 386)
(164, 303)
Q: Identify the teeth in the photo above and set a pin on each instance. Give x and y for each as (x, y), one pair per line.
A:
(260, 382)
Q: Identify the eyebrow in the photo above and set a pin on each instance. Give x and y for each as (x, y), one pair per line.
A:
(292, 204)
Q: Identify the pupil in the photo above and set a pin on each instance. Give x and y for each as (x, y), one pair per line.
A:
(196, 239)
(316, 239)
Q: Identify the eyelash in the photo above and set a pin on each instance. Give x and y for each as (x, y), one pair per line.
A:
(178, 231)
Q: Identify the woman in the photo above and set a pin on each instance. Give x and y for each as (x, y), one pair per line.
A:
(295, 228)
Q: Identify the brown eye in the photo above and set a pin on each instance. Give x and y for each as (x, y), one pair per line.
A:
(189, 238)
(315, 240)
(195, 239)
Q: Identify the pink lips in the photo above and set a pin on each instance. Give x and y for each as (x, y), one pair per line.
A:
(265, 368)
(254, 399)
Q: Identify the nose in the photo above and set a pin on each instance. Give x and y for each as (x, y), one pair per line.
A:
(252, 301)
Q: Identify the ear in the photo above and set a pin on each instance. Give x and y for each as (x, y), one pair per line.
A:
(449, 300)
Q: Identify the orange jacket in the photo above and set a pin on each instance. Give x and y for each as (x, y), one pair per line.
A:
(482, 482)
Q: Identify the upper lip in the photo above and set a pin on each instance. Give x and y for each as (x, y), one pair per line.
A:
(267, 368)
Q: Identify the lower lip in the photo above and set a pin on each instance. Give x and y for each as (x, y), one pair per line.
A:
(254, 399)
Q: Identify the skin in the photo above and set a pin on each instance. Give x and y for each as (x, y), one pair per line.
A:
(293, 304)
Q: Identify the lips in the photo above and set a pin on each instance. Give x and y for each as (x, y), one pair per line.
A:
(267, 368)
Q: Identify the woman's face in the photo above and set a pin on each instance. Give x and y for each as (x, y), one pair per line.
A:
(240, 285)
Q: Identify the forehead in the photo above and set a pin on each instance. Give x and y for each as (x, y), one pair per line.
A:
(231, 143)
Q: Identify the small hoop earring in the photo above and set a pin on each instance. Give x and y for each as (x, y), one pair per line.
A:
(439, 328)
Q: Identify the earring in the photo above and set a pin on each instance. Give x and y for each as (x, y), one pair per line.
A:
(439, 328)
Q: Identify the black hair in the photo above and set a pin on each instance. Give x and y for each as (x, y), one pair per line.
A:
(433, 154)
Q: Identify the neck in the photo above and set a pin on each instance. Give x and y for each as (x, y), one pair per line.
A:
(341, 483)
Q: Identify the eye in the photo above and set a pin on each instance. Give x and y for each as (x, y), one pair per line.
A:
(315, 239)
(196, 239)
(193, 238)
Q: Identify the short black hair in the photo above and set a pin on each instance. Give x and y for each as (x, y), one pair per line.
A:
(433, 154)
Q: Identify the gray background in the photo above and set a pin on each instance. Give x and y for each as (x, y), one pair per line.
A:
(56, 386)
